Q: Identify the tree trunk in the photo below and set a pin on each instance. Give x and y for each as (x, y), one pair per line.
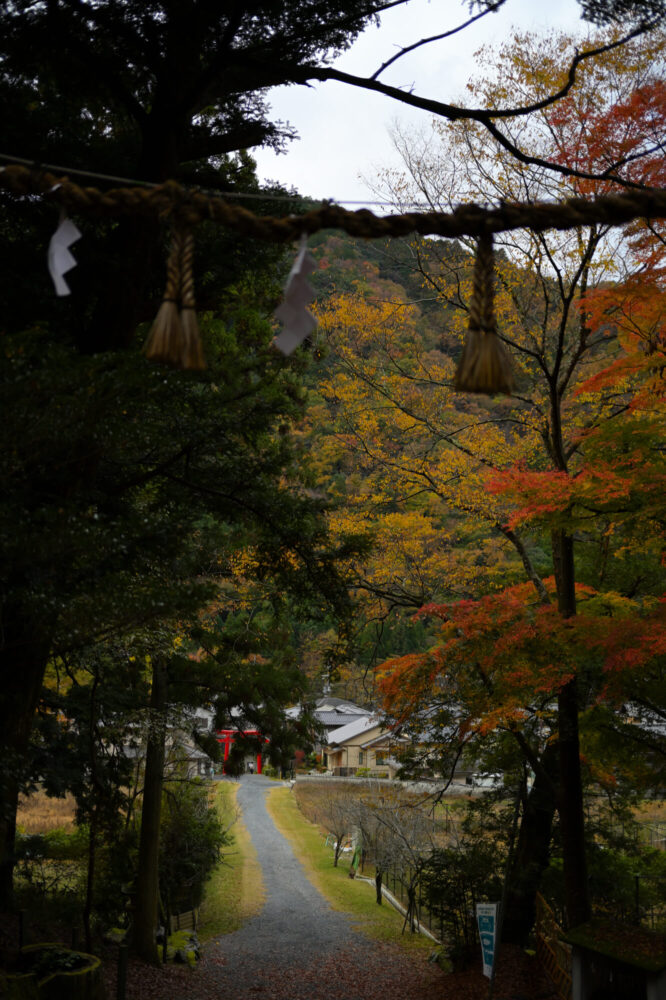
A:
(411, 908)
(90, 879)
(23, 657)
(378, 887)
(570, 807)
(570, 800)
(10, 795)
(97, 791)
(532, 852)
(147, 885)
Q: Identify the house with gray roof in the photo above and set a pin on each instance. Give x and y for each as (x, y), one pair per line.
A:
(363, 743)
(332, 713)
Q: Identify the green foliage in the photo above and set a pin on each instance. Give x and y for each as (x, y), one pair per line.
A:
(191, 838)
(624, 884)
(44, 884)
(116, 861)
(57, 844)
(453, 880)
(149, 93)
(622, 11)
(221, 114)
(183, 946)
(114, 505)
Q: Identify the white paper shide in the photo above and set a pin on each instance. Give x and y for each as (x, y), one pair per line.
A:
(60, 260)
(297, 320)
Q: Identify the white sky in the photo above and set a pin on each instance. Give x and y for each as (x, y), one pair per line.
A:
(344, 131)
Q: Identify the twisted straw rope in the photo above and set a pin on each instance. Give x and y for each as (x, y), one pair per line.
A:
(484, 364)
(193, 207)
(186, 275)
(192, 356)
(481, 307)
(165, 339)
(172, 287)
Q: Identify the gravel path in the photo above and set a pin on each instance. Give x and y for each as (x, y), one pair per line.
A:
(295, 922)
(298, 948)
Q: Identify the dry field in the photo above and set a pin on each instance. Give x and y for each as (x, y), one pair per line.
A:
(652, 811)
(37, 813)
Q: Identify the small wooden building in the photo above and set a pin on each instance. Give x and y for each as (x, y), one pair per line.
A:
(612, 961)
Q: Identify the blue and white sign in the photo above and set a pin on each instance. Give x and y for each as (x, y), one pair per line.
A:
(486, 917)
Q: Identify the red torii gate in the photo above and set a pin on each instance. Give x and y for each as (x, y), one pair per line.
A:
(228, 736)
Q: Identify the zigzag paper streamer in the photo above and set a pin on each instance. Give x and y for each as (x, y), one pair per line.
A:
(60, 260)
(297, 320)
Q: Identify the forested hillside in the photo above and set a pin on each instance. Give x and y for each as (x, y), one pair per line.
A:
(380, 396)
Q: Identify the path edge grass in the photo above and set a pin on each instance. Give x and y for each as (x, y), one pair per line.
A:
(357, 899)
(235, 891)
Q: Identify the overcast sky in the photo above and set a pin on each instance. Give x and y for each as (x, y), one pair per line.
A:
(344, 131)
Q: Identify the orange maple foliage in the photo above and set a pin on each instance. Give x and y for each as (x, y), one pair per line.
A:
(596, 137)
(504, 657)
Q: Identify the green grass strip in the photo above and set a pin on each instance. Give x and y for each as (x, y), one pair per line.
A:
(235, 891)
(383, 923)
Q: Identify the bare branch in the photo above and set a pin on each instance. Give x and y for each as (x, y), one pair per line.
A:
(485, 116)
(436, 38)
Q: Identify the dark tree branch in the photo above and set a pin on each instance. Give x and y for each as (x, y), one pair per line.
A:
(436, 38)
(484, 116)
(198, 147)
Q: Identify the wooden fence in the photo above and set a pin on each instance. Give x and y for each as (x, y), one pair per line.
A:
(554, 954)
(184, 921)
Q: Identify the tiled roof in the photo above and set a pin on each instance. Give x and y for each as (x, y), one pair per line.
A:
(329, 704)
(355, 728)
(335, 719)
(332, 712)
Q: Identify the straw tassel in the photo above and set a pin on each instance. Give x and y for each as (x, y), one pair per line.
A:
(484, 366)
(174, 336)
(192, 354)
(165, 340)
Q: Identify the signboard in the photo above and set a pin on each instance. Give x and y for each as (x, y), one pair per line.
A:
(486, 916)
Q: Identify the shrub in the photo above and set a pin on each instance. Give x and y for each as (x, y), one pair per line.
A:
(46, 864)
(613, 876)
(191, 839)
(69, 845)
(116, 864)
(452, 881)
(58, 844)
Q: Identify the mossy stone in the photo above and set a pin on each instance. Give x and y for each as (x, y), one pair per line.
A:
(82, 983)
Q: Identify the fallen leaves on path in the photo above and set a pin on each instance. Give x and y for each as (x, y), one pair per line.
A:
(366, 971)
